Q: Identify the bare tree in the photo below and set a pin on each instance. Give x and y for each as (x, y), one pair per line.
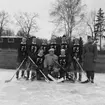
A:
(90, 21)
(4, 20)
(27, 22)
(8, 32)
(21, 33)
(68, 14)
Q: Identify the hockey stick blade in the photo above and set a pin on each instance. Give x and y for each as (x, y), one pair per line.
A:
(81, 67)
(7, 81)
(60, 80)
(52, 78)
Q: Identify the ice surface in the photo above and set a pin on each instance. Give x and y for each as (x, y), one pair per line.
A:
(41, 93)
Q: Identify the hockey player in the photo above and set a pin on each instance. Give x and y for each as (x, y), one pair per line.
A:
(32, 52)
(67, 46)
(49, 64)
(77, 53)
(55, 46)
(44, 47)
(22, 54)
(64, 45)
(89, 59)
(33, 48)
(63, 61)
(39, 62)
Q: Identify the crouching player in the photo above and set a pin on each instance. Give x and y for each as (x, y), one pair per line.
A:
(63, 61)
(22, 54)
(49, 64)
(39, 62)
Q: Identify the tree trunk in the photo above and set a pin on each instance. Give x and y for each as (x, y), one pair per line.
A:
(1, 31)
(69, 31)
(100, 43)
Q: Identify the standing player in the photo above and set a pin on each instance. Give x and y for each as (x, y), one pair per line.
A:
(32, 52)
(33, 48)
(44, 47)
(89, 59)
(22, 54)
(64, 45)
(39, 62)
(77, 53)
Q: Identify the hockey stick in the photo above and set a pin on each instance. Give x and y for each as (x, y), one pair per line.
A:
(83, 70)
(51, 77)
(15, 72)
(80, 67)
(46, 79)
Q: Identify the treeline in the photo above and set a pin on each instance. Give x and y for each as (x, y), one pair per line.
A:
(68, 16)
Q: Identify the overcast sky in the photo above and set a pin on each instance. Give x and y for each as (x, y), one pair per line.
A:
(42, 8)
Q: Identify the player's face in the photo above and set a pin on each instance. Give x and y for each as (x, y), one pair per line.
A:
(52, 40)
(62, 52)
(34, 40)
(44, 41)
(41, 52)
(89, 40)
(51, 52)
(24, 40)
(76, 41)
(64, 39)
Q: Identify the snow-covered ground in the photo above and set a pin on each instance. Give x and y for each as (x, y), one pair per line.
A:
(41, 93)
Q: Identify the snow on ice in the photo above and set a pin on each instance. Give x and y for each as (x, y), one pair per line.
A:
(41, 93)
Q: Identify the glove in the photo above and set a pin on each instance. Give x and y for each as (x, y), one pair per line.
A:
(74, 57)
(77, 59)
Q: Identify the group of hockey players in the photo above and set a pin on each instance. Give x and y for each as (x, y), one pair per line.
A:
(56, 59)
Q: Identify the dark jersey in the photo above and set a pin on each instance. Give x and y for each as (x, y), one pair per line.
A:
(64, 46)
(22, 52)
(39, 60)
(55, 46)
(63, 61)
(77, 51)
(33, 50)
(45, 48)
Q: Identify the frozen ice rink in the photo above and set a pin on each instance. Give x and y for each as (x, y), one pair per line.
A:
(41, 93)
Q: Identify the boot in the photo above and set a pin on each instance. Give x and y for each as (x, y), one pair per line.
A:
(27, 78)
(22, 73)
(38, 76)
(33, 76)
(75, 76)
(92, 81)
(17, 75)
(28, 74)
(79, 77)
